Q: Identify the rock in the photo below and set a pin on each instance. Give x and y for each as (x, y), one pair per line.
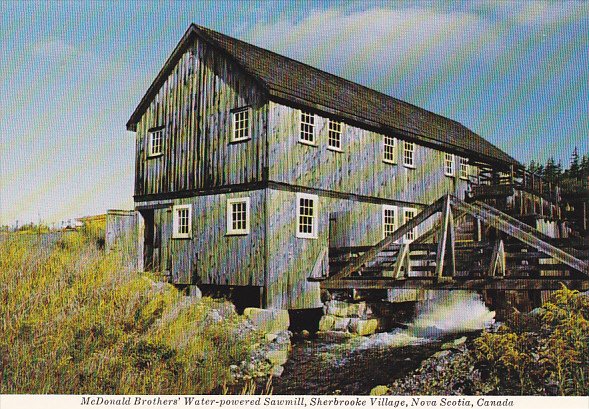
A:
(326, 323)
(268, 321)
(277, 371)
(353, 325)
(363, 327)
(195, 292)
(270, 337)
(345, 309)
(379, 390)
(341, 324)
(441, 354)
(454, 344)
(277, 357)
(337, 308)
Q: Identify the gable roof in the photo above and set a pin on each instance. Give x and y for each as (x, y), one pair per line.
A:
(291, 81)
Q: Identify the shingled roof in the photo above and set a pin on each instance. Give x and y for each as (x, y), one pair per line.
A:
(288, 80)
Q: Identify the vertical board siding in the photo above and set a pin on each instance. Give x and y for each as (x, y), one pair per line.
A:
(290, 260)
(194, 107)
(359, 168)
(211, 256)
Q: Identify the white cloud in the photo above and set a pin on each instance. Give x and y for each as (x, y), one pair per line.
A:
(387, 49)
(535, 13)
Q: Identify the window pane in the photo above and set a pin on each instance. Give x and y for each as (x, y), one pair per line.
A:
(307, 127)
(335, 133)
(408, 149)
(241, 125)
(306, 215)
(389, 222)
(389, 148)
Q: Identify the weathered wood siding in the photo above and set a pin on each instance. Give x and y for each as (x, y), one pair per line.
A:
(124, 232)
(359, 168)
(194, 107)
(211, 256)
(291, 260)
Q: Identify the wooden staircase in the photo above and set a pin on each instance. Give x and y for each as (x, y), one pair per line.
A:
(453, 255)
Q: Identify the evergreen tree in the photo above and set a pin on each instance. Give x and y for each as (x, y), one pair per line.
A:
(550, 171)
(574, 170)
(584, 167)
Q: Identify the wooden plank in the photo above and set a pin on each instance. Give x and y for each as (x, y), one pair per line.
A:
(497, 266)
(457, 284)
(525, 237)
(425, 214)
(446, 242)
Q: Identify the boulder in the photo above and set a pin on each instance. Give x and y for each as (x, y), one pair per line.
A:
(337, 308)
(457, 343)
(277, 371)
(345, 309)
(441, 354)
(194, 291)
(268, 321)
(363, 327)
(379, 390)
(341, 324)
(326, 323)
(277, 357)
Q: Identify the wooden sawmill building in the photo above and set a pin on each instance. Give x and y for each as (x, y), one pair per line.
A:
(250, 166)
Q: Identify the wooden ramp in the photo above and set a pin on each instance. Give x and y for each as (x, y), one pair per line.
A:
(512, 256)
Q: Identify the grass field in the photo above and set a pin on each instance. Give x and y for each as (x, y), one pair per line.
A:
(75, 319)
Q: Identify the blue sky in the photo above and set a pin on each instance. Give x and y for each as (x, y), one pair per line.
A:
(71, 74)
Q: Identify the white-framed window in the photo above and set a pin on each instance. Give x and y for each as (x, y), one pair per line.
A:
(238, 215)
(409, 154)
(182, 221)
(389, 220)
(408, 214)
(449, 164)
(334, 141)
(390, 149)
(307, 128)
(155, 142)
(463, 171)
(241, 125)
(307, 206)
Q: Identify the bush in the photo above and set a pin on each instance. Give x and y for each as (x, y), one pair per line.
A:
(545, 354)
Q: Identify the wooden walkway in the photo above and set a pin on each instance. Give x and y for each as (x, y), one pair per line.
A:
(517, 258)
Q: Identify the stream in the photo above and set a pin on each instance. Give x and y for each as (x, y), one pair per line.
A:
(337, 363)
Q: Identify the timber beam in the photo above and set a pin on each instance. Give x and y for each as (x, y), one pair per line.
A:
(431, 283)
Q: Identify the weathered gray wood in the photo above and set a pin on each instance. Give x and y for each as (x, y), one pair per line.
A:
(425, 214)
(497, 266)
(520, 283)
(496, 221)
(402, 261)
(194, 105)
(446, 241)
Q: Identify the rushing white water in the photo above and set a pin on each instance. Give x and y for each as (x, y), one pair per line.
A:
(447, 313)
(451, 312)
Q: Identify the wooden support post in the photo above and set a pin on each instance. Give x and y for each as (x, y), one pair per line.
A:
(370, 254)
(402, 261)
(479, 232)
(450, 253)
(497, 266)
(446, 242)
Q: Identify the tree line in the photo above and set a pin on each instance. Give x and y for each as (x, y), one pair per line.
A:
(577, 171)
